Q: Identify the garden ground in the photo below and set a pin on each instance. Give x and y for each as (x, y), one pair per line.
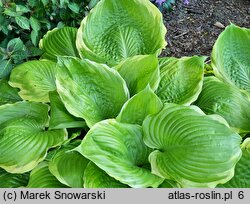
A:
(193, 29)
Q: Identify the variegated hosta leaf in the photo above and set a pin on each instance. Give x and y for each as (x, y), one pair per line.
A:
(35, 79)
(115, 30)
(68, 166)
(8, 94)
(8, 180)
(23, 109)
(89, 90)
(60, 117)
(241, 177)
(191, 148)
(41, 177)
(24, 140)
(231, 56)
(225, 100)
(139, 71)
(118, 149)
(181, 79)
(59, 42)
(94, 177)
(139, 106)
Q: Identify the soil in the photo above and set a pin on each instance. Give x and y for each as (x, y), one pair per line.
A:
(193, 29)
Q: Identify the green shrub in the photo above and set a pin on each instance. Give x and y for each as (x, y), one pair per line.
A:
(23, 23)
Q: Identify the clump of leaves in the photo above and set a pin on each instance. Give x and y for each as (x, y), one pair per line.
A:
(166, 4)
(100, 109)
(22, 24)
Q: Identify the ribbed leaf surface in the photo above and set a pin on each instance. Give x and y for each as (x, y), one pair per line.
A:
(8, 180)
(115, 30)
(231, 57)
(59, 42)
(118, 149)
(94, 177)
(60, 117)
(68, 166)
(35, 79)
(24, 140)
(41, 177)
(139, 71)
(139, 106)
(89, 90)
(181, 79)
(241, 177)
(191, 148)
(227, 101)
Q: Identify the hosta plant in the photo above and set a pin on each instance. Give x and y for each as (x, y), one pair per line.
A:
(100, 109)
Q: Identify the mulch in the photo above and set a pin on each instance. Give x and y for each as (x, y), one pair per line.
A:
(193, 29)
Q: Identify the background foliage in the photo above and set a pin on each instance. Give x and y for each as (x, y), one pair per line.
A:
(23, 23)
